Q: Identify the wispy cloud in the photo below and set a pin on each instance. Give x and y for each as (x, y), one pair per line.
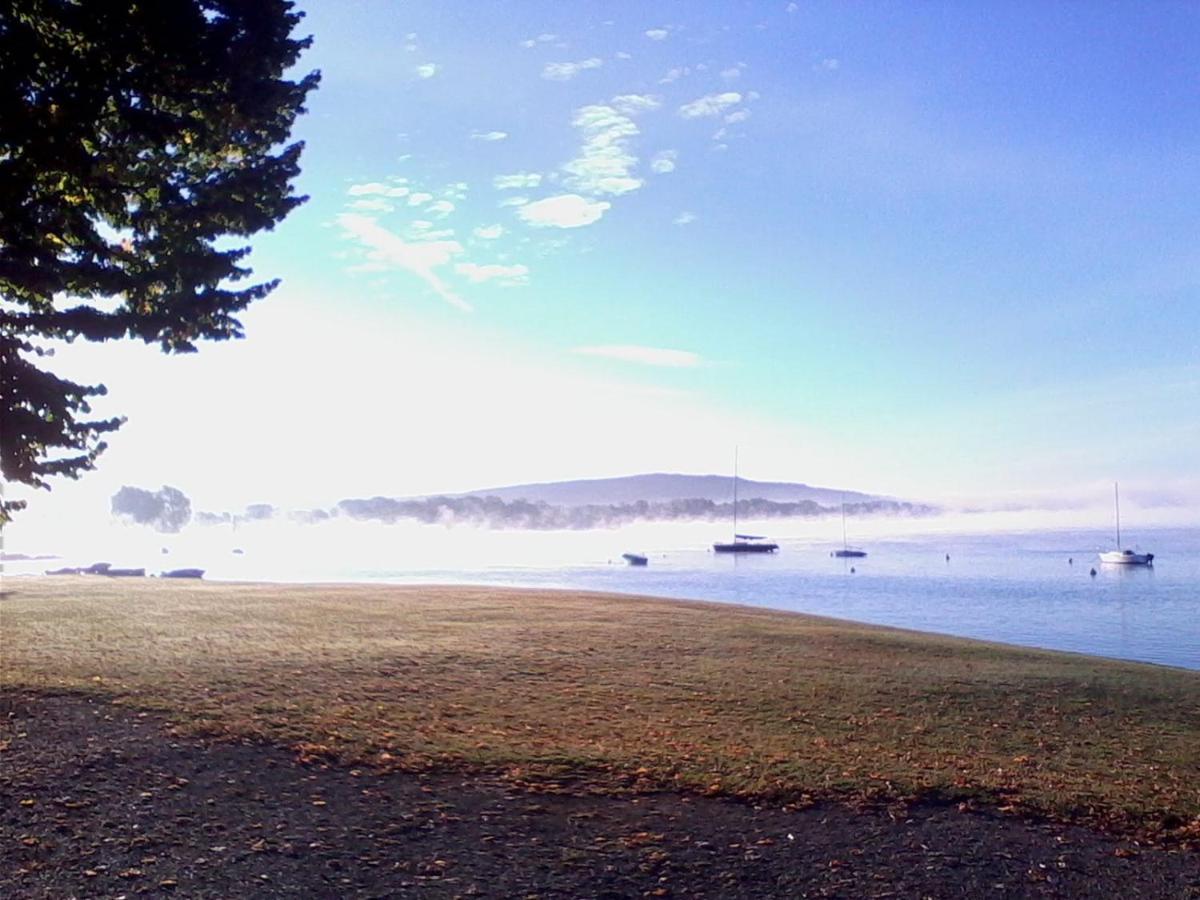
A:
(658, 34)
(710, 105)
(664, 162)
(604, 164)
(440, 208)
(738, 115)
(830, 64)
(792, 7)
(387, 250)
(517, 180)
(514, 201)
(645, 356)
(371, 204)
(489, 232)
(632, 104)
(563, 211)
(506, 275)
(675, 74)
(684, 218)
(565, 71)
(490, 136)
(428, 70)
(540, 39)
(418, 198)
(377, 188)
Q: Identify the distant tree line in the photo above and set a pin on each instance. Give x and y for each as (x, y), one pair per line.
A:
(496, 513)
(169, 510)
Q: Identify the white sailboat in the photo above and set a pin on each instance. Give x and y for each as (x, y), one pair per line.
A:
(1119, 556)
(847, 551)
(742, 543)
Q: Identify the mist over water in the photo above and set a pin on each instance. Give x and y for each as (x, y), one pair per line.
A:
(1008, 577)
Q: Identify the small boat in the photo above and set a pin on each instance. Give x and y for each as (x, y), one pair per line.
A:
(847, 552)
(635, 559)
(1124, 557)
(183, 573)
(742, 543)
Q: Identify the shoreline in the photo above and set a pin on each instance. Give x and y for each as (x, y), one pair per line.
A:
(440, 585)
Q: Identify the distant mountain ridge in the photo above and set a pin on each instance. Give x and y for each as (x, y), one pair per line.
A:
(664, 487)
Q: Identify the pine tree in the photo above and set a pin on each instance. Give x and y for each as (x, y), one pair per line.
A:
(134, 137)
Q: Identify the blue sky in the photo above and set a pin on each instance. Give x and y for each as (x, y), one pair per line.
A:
(932, 250)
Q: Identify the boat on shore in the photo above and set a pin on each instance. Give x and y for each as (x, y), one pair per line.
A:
(1126, 557)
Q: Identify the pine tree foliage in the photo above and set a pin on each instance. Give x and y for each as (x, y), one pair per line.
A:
(141, 144)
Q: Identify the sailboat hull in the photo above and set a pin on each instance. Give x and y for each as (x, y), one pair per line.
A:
(1127, 558)
(851, 554)
(745, 547)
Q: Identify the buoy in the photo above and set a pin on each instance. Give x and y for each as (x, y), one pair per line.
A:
(1070, 561)
(947, 557)
(1093, 573)
(852, 570)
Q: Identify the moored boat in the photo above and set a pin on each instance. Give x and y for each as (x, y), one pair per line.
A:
(1126, 557)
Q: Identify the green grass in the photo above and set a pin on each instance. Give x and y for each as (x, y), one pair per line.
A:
(618, 692)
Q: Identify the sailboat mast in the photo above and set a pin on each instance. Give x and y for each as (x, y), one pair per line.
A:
(735, 477)
(1117, 498)
(844, 544)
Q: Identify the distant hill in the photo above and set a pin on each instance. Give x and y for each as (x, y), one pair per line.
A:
(664, 487)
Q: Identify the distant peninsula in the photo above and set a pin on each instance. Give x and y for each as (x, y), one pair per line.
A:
(612, 502)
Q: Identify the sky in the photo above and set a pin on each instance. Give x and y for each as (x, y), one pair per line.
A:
(940, 251)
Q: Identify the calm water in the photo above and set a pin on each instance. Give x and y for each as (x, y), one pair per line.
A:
(1018, 589)
(1013, 587)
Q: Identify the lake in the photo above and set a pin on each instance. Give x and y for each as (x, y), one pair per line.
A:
(1015, 587)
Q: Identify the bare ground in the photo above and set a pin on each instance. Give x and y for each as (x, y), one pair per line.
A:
(100, 800)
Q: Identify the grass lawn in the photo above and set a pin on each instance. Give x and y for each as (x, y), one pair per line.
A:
(601, 692)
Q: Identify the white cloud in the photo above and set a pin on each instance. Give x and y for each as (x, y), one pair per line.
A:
(738, 115)
(604, 165)
(565, 71)
(377, 188)
(645, 356)
(664, 162)
(440, 208)
(830, 64)
(731, 72)
(675, 74)
(488, 135)
(632, 104)
(710, 105)
(371, 204)
(621, 54)
(684, 218)
(386, 250)
(658, 34)
(540, 39)
(514, 201)
(488, 232)
(563, 211)
(792, 7)
(418, 198)
(519, 180)
(428, 70)
(508, 275)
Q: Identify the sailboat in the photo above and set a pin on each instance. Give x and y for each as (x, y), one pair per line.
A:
(847, 551)
(1119, 556)
(743, 543)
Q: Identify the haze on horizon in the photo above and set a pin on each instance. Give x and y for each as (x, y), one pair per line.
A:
(943, 253)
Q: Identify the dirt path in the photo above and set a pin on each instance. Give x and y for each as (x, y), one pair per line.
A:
(97, 801)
